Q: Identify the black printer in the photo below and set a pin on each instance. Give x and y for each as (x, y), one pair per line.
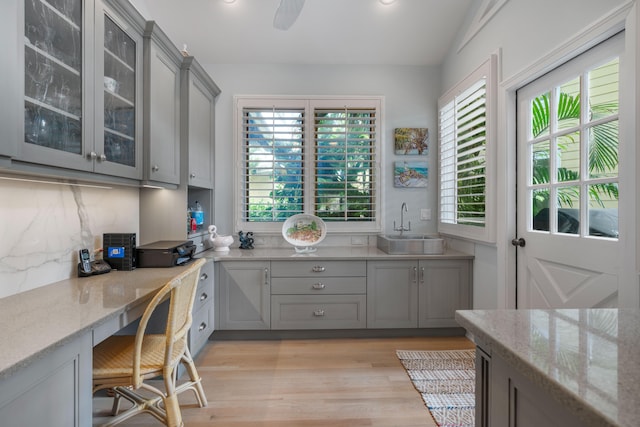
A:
(165, 253)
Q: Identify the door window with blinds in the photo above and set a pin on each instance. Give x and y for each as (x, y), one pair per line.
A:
(465, 124)
(303, 155)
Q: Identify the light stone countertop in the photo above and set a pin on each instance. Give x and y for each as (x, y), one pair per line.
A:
(587, 359)
(347, 253)
(37, 321)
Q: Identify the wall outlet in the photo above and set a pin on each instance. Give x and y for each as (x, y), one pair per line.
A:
(425, 214)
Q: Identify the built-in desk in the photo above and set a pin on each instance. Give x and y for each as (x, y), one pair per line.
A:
(47, 336)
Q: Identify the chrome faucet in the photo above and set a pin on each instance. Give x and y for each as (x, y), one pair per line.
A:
(402, 228)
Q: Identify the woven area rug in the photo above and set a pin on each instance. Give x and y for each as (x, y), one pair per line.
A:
(446, 381)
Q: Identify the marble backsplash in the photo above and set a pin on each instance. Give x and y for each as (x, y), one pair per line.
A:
(42, 227)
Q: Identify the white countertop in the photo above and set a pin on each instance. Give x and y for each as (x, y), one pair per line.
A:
(585, 358)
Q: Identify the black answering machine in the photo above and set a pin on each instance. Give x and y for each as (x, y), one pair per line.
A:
(165, 253)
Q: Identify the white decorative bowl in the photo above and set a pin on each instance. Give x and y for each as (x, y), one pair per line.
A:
(304, 231)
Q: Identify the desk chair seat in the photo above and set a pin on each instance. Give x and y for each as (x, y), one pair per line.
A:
(123, 363)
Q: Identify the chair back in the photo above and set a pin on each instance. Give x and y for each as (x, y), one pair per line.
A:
(181, 291)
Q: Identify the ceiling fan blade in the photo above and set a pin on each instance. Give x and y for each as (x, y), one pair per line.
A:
(287, 13)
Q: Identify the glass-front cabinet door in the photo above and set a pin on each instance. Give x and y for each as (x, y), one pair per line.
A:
(118, 120)
(82, 87)
(54, 41)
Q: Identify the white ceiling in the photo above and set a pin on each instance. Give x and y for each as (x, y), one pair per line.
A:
(407, 32)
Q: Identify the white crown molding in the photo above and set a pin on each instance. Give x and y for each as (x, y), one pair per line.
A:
(486, 11)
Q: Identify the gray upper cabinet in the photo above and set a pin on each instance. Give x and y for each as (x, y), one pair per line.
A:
(162, 62)
(199, 94)
(80, 86)
(12, 81)
(118, 126)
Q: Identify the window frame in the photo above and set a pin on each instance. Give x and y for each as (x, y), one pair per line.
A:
(486, 233)
(309, 104)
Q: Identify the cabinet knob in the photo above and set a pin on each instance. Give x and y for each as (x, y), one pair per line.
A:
(202, 327)
(204, 276)
(92, 155)
(204, 296)
(155, 168)
(318, 285)
(103, 157)
(318, 269)
(318, 313)
(192, 175)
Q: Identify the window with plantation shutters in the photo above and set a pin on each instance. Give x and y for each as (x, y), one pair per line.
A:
(344, 157)
(465, 128)
(273, 156)
(307, 155)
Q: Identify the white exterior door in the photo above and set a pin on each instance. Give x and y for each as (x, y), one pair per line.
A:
(567, 198)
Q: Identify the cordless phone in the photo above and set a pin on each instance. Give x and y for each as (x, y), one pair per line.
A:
(86, 267)
(85, 261)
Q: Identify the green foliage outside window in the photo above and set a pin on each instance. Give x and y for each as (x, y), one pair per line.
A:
(344, 171)
(603, 151)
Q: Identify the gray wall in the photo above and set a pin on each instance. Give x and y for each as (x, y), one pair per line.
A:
(410, 93)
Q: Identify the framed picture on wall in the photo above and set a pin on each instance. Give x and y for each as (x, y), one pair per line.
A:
(412, 141)
(410, 174)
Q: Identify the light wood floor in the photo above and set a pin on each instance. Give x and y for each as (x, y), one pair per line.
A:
(304, 383)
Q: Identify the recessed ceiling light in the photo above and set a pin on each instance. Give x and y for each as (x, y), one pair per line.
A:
(229, 1)
(387, 2)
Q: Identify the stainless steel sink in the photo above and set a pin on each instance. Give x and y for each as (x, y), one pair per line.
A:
(407, 244)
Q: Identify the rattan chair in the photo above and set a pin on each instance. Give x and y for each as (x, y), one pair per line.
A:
(123, 363)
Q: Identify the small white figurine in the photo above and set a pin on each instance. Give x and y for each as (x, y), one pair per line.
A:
(219, 243)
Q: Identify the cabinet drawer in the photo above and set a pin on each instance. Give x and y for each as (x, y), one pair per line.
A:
(318, 286)
(318, 311)
(204, 294)
(201, 329)
(318, 268)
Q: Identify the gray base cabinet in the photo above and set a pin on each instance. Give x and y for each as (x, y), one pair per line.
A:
(244, 300)
(392, 293)
(509, 399)
(318, 294)
(417, 293)
(54, 391)
(350, 294)
(203, 310)
(445, 286)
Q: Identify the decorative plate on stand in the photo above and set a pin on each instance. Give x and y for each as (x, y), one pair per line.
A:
(304, 231)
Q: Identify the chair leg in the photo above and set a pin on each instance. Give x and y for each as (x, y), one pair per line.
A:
(196, 382)
(172, 407)
(115, 408)
(170, 400)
